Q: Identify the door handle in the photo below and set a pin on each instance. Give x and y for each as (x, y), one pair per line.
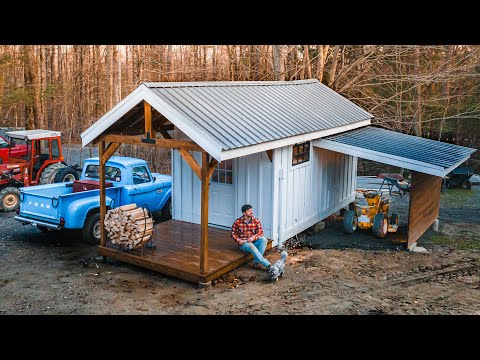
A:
(159, 191)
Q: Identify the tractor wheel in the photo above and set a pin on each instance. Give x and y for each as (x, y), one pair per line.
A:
(394, 219)
(380, 225)
(66, 174)
(350, 222)
(49, 173)
(167, 209)
(91, 232)
(9, 198)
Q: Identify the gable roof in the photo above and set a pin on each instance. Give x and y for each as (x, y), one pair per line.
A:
(231, 119)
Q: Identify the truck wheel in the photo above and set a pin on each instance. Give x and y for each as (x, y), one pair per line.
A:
(91, 229)
(9, 198)
(66, 174)
(350, 222)
(167, 209)
(380, 225)
(48, 174)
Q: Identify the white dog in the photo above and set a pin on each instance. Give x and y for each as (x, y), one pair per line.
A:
(277, 269)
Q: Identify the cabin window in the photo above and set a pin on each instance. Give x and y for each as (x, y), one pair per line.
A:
(140, 175)
(55, 149)
(223, 172)
(111, 173)
(301, 153)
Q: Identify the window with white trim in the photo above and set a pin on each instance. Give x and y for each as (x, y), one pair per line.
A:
(223, 172)
(300, 153)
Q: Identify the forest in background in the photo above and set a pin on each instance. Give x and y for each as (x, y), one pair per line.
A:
(431, 91)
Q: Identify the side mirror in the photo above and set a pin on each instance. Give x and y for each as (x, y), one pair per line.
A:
(154, 179)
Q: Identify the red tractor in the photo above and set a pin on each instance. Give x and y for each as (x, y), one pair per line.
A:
(34, 158)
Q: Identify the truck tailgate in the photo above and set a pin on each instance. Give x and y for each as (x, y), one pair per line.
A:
(38, 203)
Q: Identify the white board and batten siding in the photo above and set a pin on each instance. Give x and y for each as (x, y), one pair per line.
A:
(309, 192)
(252, 184)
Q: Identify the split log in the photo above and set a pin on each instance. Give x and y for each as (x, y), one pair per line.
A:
(128, 226)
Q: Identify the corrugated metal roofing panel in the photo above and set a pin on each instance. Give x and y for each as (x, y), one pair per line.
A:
(239, 114)
(415, 150)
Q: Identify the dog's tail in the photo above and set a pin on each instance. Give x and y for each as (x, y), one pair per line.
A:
(284, 255)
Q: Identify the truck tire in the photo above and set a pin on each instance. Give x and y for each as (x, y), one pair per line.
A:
(167, 209)
(66, 174)
(350, 222)
(91, 229)
(9, 198)
(48, 174)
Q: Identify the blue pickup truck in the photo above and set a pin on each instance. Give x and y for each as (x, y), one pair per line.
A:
(76, 205)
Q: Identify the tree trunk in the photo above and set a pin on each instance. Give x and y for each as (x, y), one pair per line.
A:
(29, 83)
(278, 63)
(418, 114)
(333, 68)
(446, 87)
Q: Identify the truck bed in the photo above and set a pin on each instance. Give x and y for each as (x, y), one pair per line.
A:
(47, 202)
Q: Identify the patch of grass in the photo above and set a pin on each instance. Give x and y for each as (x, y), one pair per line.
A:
(459, 197)
(461, 244)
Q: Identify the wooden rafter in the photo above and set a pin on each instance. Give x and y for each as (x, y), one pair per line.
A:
(163, 143)
(270, 154)
(111, 148)
(164, 133)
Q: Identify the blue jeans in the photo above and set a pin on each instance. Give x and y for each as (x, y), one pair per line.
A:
(257, 249)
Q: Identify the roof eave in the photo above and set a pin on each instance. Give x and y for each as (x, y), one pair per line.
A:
(253, 149)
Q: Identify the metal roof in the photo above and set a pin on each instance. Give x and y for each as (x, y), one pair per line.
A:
(243, 113)
(33, 134)
(390, 147)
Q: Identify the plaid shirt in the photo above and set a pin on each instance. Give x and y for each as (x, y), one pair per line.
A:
(241, 230)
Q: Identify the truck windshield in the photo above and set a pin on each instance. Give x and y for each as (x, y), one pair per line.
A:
(112, 173)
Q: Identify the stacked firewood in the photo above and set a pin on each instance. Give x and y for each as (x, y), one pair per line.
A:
(128, 226)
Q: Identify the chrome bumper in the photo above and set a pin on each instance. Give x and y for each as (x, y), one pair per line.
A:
(38, 222)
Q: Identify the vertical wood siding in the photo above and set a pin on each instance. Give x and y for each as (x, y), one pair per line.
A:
(311, 191)
(252, 179)
(424, 204)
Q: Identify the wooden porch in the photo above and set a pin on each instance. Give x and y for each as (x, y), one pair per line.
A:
(177, 252)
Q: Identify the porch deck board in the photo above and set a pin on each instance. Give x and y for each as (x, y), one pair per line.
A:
(177, 252)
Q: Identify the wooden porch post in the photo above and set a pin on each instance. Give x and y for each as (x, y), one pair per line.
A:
(103, 207)
(204, 215)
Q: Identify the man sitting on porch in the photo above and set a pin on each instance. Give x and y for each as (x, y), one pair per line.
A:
(247, 232)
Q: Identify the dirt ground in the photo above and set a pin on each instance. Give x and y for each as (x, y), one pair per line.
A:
(326, 273)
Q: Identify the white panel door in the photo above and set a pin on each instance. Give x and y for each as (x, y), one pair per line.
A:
(221, 203)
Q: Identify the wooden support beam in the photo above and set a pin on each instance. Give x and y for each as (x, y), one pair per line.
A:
(163, 143)
(204, 216)
(211, 168)
(165, 134)
(270, 154)
(111, 148)
(167, 127)
(190, 160)
(149, 131)
(103, 207)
